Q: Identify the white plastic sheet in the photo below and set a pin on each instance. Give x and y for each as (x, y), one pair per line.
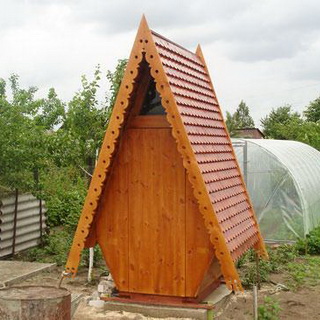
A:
(283, 180)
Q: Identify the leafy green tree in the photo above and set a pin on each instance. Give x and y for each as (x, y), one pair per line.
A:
(231, 125)
(39, 135)
(239, 120)
(307, 132)
(284, 124)
(85, 122)
(115, 79)
(312, 113)
(52, 112)
(278, 124)
(2, 89)
(22, 142)
(242, 118)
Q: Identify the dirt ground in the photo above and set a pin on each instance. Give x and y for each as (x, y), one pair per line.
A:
(304, 303)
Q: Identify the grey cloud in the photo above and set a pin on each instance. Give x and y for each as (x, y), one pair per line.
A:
(264, 43)
(264, 48)
(122, 15)
(305, 66)
(11, 16)
(271, 32)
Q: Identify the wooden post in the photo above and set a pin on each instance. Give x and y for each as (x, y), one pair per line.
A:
(40, 220)
(258, 272)
(15, 222)
(255, 303)
(245, 162)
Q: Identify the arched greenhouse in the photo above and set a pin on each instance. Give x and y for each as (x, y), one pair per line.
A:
(283, 179)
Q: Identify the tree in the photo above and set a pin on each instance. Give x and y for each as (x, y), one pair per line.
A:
(312, 113)
(85, 122)
(231, 125)
(239, 120)
(278, 123)
(309, 133)
(37, 135)
(52, 112)
(242, 118)
(22, 142)
(115, 79)
(284, 124)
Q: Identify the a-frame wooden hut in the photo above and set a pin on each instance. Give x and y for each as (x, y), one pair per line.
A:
(167, 203)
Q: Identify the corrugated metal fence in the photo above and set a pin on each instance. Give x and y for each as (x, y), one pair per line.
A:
(22, 223)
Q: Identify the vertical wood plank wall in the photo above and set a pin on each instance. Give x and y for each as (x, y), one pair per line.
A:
(112, 221)
(157, 214)
(199, 250)
(149, 226)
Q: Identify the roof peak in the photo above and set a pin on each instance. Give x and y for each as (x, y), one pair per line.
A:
(172, 42)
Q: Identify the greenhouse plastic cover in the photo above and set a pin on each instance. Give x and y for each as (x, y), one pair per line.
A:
(283, 180)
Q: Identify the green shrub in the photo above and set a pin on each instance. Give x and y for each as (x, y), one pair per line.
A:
(311, 244)
(55, 248)
(278, 258)
(250, 275)
(269, 310)
(64, 191)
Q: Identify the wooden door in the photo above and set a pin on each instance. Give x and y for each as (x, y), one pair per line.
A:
(157, 218)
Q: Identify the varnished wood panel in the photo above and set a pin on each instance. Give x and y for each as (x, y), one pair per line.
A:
(153, 121)
(157, 213)
(199, 249)
(112, 220)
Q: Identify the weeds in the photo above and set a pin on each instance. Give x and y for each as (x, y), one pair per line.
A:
(305, 270)
(311, 244)
(269, 310)
(278, 258)
(298, 269)
(55, 248)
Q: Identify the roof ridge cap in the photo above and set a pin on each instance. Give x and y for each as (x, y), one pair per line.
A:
(172, 42)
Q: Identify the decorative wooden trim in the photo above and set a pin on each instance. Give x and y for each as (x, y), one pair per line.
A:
(107, 151)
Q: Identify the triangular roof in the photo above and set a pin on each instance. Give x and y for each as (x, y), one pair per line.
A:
(194, 114)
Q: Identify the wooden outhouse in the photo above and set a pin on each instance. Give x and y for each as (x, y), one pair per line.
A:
(167, 203)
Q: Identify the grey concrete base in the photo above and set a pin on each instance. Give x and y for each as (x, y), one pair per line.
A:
(13, 272)
(92, 308)
(218, 295)
(156, 311)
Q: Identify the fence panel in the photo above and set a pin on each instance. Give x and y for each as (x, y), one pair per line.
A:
(22, 223)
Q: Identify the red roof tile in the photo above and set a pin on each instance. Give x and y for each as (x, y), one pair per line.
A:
(203, 121)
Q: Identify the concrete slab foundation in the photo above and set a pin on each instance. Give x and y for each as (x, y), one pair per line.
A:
(94, 309)
(158, 311)
(13, 272)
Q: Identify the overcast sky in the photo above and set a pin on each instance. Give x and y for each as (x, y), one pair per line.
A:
(266, 52)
